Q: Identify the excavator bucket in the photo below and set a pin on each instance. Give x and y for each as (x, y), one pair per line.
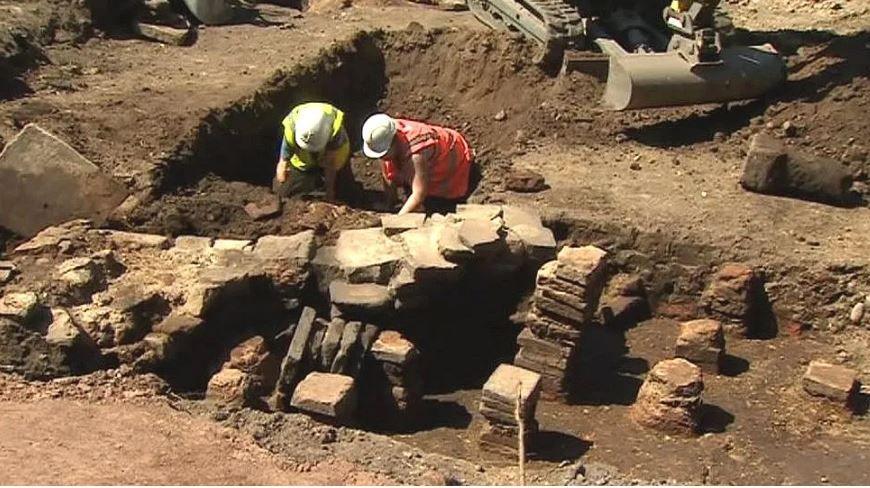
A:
(667, 79)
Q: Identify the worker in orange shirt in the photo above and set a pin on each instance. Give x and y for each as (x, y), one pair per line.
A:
(432, 161)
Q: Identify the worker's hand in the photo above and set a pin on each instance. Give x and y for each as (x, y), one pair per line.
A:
(281, 172)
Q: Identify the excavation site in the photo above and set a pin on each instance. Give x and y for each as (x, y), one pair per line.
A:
(538, 243)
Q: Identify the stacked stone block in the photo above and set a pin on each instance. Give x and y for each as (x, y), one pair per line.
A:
(566, 297)
(504, 390)
(392, 379)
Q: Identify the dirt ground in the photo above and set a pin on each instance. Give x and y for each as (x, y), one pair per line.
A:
(192, 131)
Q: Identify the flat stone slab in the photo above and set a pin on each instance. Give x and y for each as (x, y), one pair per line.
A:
(164, 34)
(392, 347)
(538, 241)
(331, 342)
(45, 182)
(299, 248)
(450, 245)
(514, 216)
(331, 395)
(135, 240)
(366, 297)
(232, 244)
(474, 211)
(481, 236)
(424, 257)
(193, 243)
(501, 390)
(367, 255)
(580, 265)
(394, 224)
(291, 366)
(831, 381)
(347, 348)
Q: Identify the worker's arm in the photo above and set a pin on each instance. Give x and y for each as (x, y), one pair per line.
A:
(420, 184)
(281, 168)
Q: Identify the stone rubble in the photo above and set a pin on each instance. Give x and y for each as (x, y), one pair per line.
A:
(623, 302)
(407, 262)
(565, 299)
(703, 343)
(670, 398)
(498, 406)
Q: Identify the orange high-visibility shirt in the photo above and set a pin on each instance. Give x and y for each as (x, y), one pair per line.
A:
(449, 166)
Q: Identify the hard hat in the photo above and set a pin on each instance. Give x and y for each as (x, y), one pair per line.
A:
(378, 132)
(312, 129)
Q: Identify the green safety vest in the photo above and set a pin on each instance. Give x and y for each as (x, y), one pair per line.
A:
(305, 160)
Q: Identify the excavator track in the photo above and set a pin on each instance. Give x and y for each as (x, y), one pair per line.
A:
(554, 24)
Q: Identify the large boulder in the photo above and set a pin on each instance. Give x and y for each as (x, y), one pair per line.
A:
(46, 182)
(774, 169)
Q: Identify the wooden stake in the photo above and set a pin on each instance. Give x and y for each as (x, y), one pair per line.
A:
(521, 441)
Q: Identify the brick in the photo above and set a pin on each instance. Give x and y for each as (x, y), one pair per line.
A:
(836, 383)
(703, 343)
(326, 394)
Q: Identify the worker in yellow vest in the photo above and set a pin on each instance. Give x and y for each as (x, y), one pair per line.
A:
(315, 153)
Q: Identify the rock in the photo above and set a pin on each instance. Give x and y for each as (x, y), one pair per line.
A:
(165, 34)
(193, 243)
(424, 260)
(362, 300)
(394, 224)
(7, 271)
(367, 255)
(135, 240)
(178, 325)
(774, 169)
(623, 312)
(315, 344)
(733, 297)
(39, 172)
(392, 347)
(451, 247)
(330, 395)
(232, 245)
(500, 115)
(20, 307)
(326, 268)
(265, 209)
(80, 278)
(836, 383)
(249, 356)
(500, 392)
(291, 367)
(539, 242)
(857, 313)
(55, 236)
(514, 216)
(581, 265)
(482, 237)
(229, 386)
(348, 348)
(670, 398)
(82, 354)
(703, 343)
(525, 181)
(473, 211)
(26, 352)
(331, 342)
(298, 248)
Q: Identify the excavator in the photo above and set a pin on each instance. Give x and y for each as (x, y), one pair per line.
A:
(654, 53)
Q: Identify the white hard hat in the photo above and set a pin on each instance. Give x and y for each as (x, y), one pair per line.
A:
(377, 133)
(312, 129)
